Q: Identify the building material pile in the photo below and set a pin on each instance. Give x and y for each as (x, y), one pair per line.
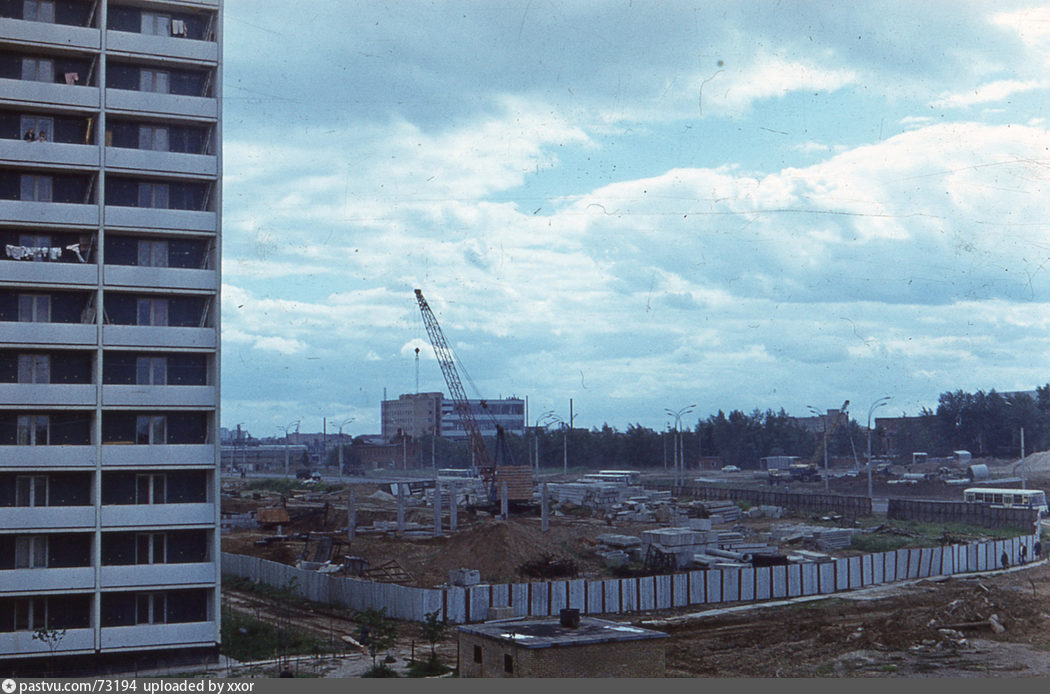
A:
(814, 536)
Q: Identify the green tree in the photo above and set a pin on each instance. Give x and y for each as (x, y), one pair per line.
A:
(377, 633)
(432, 630)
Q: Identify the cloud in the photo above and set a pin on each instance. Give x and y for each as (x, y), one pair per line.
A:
(987, 93)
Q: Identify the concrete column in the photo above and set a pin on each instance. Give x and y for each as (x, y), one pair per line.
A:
(351, 515)
(400, 508)
(504, 507)
(453, 508)
(437, 510)
(545, 519)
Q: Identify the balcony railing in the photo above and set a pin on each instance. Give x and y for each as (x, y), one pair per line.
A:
(132, 455)
(49, 153)
(52, 214)
(84, 274)
(25, 580)
(140, 103)
(152, 635)
(153, 218)
(144, 160)
(20, 457)
(167, 46)
(156, 576)
(35, 394)
(147, 515)
(154, 396)
(168, 278)
(20, 644)
(47, 517)
(148, 336)
(27, 92)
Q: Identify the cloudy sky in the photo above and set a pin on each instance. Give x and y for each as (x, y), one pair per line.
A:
(639, 205)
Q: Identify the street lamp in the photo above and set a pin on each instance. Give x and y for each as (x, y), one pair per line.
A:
(679, 459)
(286, 429)
(874, 406)
(340, 444)
(545, 419)
(824, 417)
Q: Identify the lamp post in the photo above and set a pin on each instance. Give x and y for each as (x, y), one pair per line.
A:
(824, 418)
(287, 428)
(679, 457)
(340, 444)
(545, 420)
(874, 406)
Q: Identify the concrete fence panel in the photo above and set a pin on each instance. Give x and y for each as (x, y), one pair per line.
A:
(519, 596)
(629, 594)
(501, 595)
(763, 583)
(595, 590)
(826, 574)
(841, 574)
(559, 592)
(856, 574)
(697, 581)
(646, 593)
(662, 585)
(714, 585)
(779, 581)
(730, 585)
(478, 597)
(577, 590)
(680, 590)
(747, 585)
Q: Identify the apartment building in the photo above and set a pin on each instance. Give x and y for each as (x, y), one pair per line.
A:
(110, 169)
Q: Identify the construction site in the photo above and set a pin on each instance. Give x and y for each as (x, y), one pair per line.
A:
(594, 530)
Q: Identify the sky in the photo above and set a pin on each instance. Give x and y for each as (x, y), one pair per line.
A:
(640, 206)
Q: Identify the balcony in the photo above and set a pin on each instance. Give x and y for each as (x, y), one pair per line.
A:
(153, 218)
(166, 46)
(19, 457)
(150, 515)
(147, 336)
(134, 455)
(20, 644)
(52, 214)
(157, 396)
(36, 394)
(26, 92)
(56, 334)
(26, 580)
(84, 274)
(47, 517)
(145, 160)
(153, 635)
(52, 35)
(152, 103)
(48, 153)
(168, 278)
(157, 575)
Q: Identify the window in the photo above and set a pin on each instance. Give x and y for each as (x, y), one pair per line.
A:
(34, 368)
(33, 430)
(153, 195)
(31, 552)
(156, 24)
(151, 608)
(150, 548)
(151, 489)
(35, 188)
(153, 312)
(153, 253)
(158, 81)
(151, 371)
(151, 429)
(31, 490)
(37, 124)
(153, 137)
(508, 663)
(477, 654)
(38, 69)
(34, 308)
(30, 614)
(38, 10)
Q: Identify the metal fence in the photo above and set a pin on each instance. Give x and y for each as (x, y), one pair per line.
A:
(852, 506)
(461, 605)
(961, 512)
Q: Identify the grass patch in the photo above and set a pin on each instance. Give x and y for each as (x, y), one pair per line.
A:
(888, 667)
(427, 668)
(380, 670)
(246, 638)
(914, 534)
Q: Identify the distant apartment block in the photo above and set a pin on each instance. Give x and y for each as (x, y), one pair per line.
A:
(110, 169)
(424, 414)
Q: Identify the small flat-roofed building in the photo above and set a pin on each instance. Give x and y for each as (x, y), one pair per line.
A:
(572, 647)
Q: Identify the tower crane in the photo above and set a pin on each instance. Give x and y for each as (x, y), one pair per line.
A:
(517, 478)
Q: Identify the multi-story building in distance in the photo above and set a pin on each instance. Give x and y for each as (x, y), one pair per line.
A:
(429, 414)
(110, 169)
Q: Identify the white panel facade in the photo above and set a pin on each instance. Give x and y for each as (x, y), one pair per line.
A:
(76, 405)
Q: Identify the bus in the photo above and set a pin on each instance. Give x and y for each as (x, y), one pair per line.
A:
(1007, 498)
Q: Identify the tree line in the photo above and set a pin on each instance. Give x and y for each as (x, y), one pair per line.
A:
(984, 423)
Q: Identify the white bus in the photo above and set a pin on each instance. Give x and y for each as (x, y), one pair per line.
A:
(1007, 498)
